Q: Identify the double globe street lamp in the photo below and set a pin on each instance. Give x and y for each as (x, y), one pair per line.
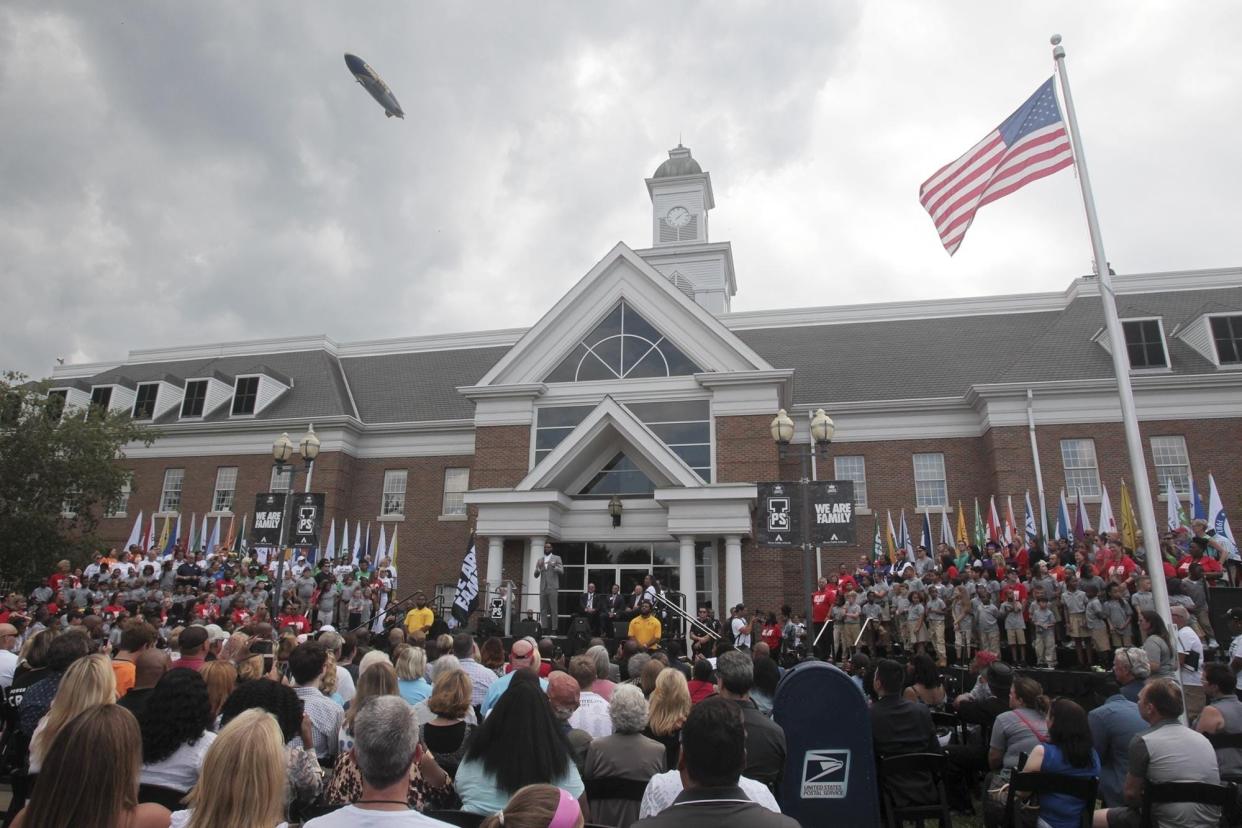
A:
(282, 453)
(821, 430)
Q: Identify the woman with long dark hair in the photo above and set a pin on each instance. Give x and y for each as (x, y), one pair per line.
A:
(928, 687)
(1156, 644)
(518, 744)
(90, 776)
(1068, 751)
(176, 730)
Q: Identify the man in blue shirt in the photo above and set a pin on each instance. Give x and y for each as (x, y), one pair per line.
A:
(522, 654)
(1113, 725)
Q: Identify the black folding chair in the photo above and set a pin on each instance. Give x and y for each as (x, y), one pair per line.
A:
(895, 775)
(1079, 787)
(1224, 797)
(170, 798)
(952, 722)
(1225, 741)
(462, 819)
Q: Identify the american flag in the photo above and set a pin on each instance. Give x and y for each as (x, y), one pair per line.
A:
(1030, 144)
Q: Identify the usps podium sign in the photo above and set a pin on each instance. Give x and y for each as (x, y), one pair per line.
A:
(830, 773)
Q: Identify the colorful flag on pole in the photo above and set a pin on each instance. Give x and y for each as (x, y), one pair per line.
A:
(877, 544)
(204, 536)
(1011, 525)
(1082, 523)
(1064, 527)
(981, 535)
(962, 534)
(214, 540)
(946, 527)
(148, 535)
(1030, 533)
(1172, 520)
(905, 541)
(170, 539)
(330, 551)
(1198, 511)
(240, 543)
(383, 543)
(1028, 145)
(192, 538)
(467, 586)
(1216, 517)
(164, 533)
(891, 540)
(925, 539)
(392, 554)
(1129, 524)
(994, 527)
(230, 540)
(1107, 523)
(135, 534)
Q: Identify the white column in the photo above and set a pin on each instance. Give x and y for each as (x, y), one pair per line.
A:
(495, 557)
(689, 586)
(733, 574)
(530, 598)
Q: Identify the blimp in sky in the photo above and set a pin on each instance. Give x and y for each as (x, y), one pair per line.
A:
(373, 83)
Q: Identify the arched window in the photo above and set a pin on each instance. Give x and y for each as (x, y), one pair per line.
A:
(622, 346)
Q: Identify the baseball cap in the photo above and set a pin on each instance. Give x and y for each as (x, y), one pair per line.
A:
(192, 637)
(215, 633)
(522, 651)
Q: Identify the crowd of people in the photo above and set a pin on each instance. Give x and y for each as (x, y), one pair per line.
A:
(175, 692)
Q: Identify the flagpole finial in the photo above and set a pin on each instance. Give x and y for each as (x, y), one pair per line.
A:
(1058, 51)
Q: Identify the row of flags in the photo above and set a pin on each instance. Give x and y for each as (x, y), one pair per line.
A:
(171, 536)
(896, 541)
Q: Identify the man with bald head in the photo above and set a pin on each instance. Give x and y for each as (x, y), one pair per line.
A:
(8, 658)
(150, 665)
(564, 695)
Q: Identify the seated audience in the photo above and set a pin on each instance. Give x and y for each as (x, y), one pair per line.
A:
(1132, 669)
(702, 683)
(176, 731)
(1068, 752)
(765, 741)
(669, 705)
(221, 678)
(101, 744)
(450, 728)
(88, 682)
(624, 755)
(1167, 752)
(149, 667)
(242, 782)
(386, 749)
(1223, 714)
(519, 744)
(767, 677)
(714, 748)
(304, 776)
(603, 684)
(380, 680)
(523, 654)
(563, 697)
(927, 688)
(307, 665)
(1114, 724)
(538, 806)
(899, 725)
(1022, 727)
(592, 714)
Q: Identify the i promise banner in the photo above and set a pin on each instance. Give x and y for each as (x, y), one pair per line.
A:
(830, 512)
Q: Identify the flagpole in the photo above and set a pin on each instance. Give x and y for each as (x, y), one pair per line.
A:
(1121, 360)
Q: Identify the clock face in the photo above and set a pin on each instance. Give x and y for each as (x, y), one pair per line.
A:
(677, 217)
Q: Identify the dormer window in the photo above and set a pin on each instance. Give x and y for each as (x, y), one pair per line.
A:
(1227, 334)
(1145, 343)
(101, 397)
(195, 398)
(144, 403)
(245, 396)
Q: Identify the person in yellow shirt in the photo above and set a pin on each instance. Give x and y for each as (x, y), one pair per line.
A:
(645, 627)
(421, 617)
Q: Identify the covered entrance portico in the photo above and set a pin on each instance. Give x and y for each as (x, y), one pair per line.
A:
(677, 531)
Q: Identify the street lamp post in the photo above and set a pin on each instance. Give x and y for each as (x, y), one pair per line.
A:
(282, 452)
(822, 430)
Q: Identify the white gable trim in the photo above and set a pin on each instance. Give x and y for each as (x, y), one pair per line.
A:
(622, 274)
(568, 463)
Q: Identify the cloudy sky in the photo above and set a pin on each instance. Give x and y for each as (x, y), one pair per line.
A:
(185, 173)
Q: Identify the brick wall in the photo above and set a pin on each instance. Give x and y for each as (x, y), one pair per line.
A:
(502, 458)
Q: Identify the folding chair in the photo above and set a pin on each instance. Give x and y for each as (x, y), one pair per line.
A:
(1079, 787)
(895, 773)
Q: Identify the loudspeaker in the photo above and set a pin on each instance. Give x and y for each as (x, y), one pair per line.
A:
(621, 629)
(579, 635)
(522, 629)
(1221, 599)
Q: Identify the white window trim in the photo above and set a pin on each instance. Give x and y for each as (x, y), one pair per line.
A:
(449, 516)
(394, 518)
(1223, 366)
(1164, 343)
(133, 410)
(164, 490)
(384, 493)
(252, 414)
(944, 469)
(185, 395)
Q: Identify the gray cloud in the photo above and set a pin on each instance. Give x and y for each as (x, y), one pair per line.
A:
(181, 174)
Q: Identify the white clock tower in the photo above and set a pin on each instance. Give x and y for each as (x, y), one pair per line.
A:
(681, 196)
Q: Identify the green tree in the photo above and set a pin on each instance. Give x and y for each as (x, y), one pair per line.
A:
(52, 458)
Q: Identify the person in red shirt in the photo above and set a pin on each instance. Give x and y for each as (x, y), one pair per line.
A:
(1212, 570)
(771, 633)
(845, 580)
(295, 618)
(61, 573)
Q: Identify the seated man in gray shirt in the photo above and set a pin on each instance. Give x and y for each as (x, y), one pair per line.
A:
(1167, 752)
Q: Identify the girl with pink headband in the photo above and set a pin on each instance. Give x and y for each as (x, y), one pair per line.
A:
(538, 806)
